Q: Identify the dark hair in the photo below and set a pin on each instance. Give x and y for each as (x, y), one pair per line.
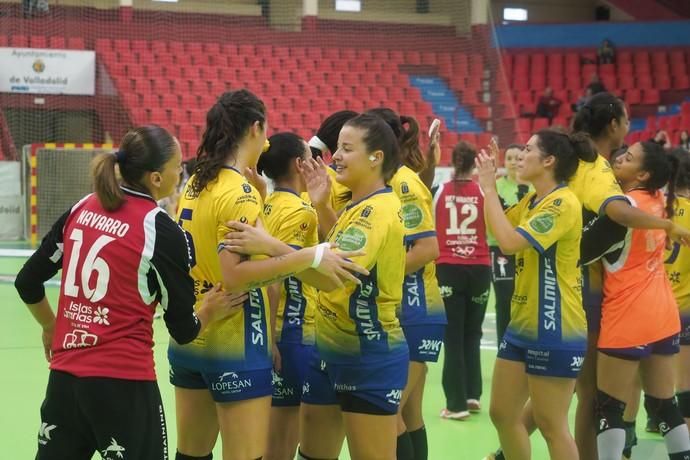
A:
(683, 173)
(568, 149)
(662, 169)
(275, 161)
(226, 122)
(379, 136)
(329, 131)
(597, 113)
(463, 157)
(515, 146)
(408, 139)
(142, 150)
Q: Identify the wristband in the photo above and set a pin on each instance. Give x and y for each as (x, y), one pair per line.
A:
(318, 255)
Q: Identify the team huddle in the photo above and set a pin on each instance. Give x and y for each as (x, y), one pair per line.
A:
(304, 317)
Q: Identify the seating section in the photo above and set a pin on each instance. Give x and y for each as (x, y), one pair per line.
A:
(673, 124)
(639, 76)
(174, 83)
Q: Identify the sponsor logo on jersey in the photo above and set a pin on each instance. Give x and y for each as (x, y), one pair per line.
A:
(542, 223)
(352, 239)
(550, 297)
(79, 339)
(412, 216)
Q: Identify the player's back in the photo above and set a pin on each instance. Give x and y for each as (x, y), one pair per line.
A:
(293, 221)
(638, 306)
(422, 302)
(107, 298)
(240, 340)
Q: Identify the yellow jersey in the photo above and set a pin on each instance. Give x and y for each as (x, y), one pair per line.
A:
(340, 195)
(546, 308)
(595, 186)
(293, 221)
(677, 260)
(357, 324)
(422, 302)
(241, 341)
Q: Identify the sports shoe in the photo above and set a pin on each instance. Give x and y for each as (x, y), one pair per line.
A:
(462, 415)
(473, 406)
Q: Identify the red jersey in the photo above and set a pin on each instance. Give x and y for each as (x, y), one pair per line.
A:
(116, 267)
(639, 307)
(460, 227)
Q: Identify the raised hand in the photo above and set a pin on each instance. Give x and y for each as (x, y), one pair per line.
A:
(256, 180)
(317, 180)
(486, 170)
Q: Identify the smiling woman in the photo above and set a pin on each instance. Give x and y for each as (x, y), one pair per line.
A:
(353, 387)
(544, 345)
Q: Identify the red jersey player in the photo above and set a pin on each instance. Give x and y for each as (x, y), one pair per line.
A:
(120, 256)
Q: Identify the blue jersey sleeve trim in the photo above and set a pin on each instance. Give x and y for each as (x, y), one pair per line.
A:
(610, 199)
(296, 247)
(531, 240)
(419, 236)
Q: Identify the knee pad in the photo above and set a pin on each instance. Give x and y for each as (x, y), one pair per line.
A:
(609, 412)
(666, 411)
(684, 403)
(179, 456)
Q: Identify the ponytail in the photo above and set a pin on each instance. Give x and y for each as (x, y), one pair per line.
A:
(583, 147)
(410, 150)
(143, 150)
(226, 123)
(671, 190)
(408, 139)
(105, 181)
(463, 157)
(284, 148)
(598, 113)
(326, 137)
(683, 174)
(568, 149)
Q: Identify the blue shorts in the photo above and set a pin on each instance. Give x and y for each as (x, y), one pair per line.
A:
(287, 384)
(684, 329)
(668, 346)
(379, 384)
(228, 386)
(546, 363)
(424, 341)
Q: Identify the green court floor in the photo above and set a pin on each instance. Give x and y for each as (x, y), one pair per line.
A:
(24, 376)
